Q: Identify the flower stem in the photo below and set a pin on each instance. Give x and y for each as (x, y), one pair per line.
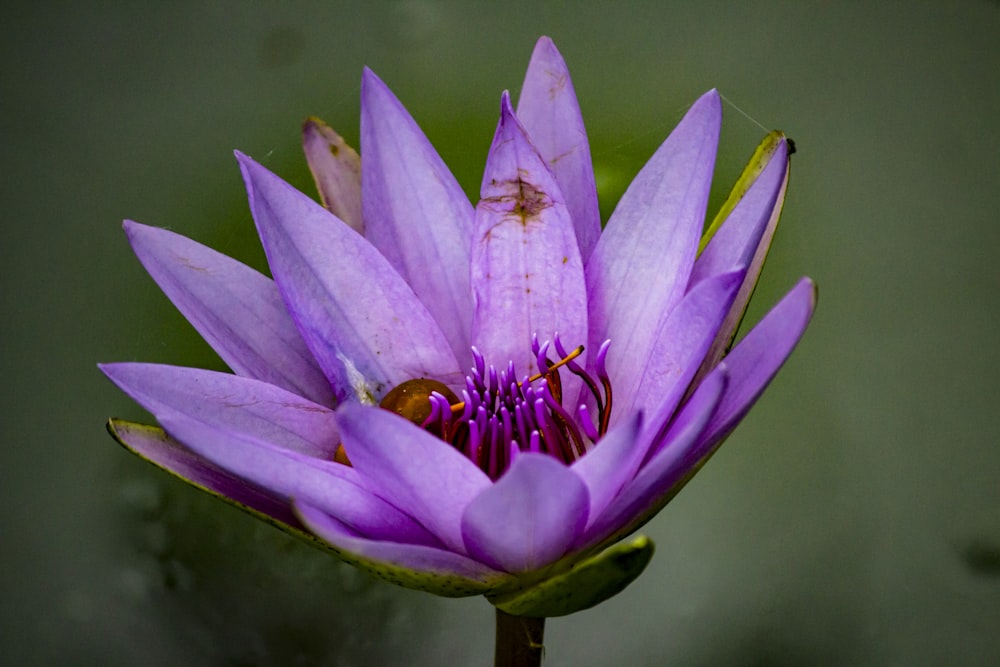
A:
(519, 641)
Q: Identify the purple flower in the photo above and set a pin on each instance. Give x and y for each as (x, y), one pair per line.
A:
(504, 460)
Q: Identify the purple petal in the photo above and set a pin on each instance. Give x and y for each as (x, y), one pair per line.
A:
(335, 488)
(363, 323)
(527, 276)
(231, 403)
(237, 310)
(681, 344)
(158, 448)
(414, 566)
(336, 168)
(654, 485)
(548, 109)
(743, 240)
(640, 267)
(611, 463)
(720, 401)
(412, 469)
(757, 357)
(415, 212)
(740, 236)
(529, 517)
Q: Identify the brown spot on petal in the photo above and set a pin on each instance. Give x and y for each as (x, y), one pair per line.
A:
(559, 82)
(520, 197)
(530, 200)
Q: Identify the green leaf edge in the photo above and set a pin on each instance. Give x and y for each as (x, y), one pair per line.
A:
(760, 158)
(429, 582)
(586, 584)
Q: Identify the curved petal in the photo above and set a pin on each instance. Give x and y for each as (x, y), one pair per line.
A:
(755, 360)
(231, 403)
(681, 345)
(336, 489)
(745, 237)
(416, 213)
(640, 267)
(237, 310)
(410, 565)
(336, 168)
(752, 208)
(527, 275)
(611, 463)
(548, 109)
(529, 517)
(412, 469)
(152, 444)
(655, 483)
(363, 323)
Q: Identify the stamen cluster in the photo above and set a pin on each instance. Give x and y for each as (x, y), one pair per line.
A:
(500, 417)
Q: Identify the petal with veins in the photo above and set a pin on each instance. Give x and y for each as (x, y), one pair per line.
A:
(232, 403)
(412, 469)
(335, 488)
(744, 238)
(607, 467)
(344, 296)
(527, 274)
(548, 109)
(237, 310)
(640, 267)
(415, 212)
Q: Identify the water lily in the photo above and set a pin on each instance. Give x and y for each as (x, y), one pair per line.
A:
(473, 400)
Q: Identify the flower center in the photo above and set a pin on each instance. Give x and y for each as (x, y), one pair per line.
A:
(499, 417)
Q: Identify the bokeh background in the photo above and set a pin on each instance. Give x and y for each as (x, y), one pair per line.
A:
(854, 518)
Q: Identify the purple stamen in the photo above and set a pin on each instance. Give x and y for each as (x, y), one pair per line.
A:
(500, 417)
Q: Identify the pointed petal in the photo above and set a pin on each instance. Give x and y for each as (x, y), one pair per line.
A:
(237, 310)
(357, 315)
(640, 267)
(414, 566)
(548, 109)
(412, 469)
(586, 584)
(336, 489)
(681, 345)
(608, 466)
(754, 196)
(416, 213)
(527, 275)
(755, 360)
(152, 444)
(654, 485)
(529, 517)
(744, 238)
(336, 168)
(231, 403)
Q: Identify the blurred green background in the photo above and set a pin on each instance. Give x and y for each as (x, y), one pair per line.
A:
(854, 518)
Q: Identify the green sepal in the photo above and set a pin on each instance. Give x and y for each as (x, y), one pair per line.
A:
(587, 583)
(758, 161)
(152, 444)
